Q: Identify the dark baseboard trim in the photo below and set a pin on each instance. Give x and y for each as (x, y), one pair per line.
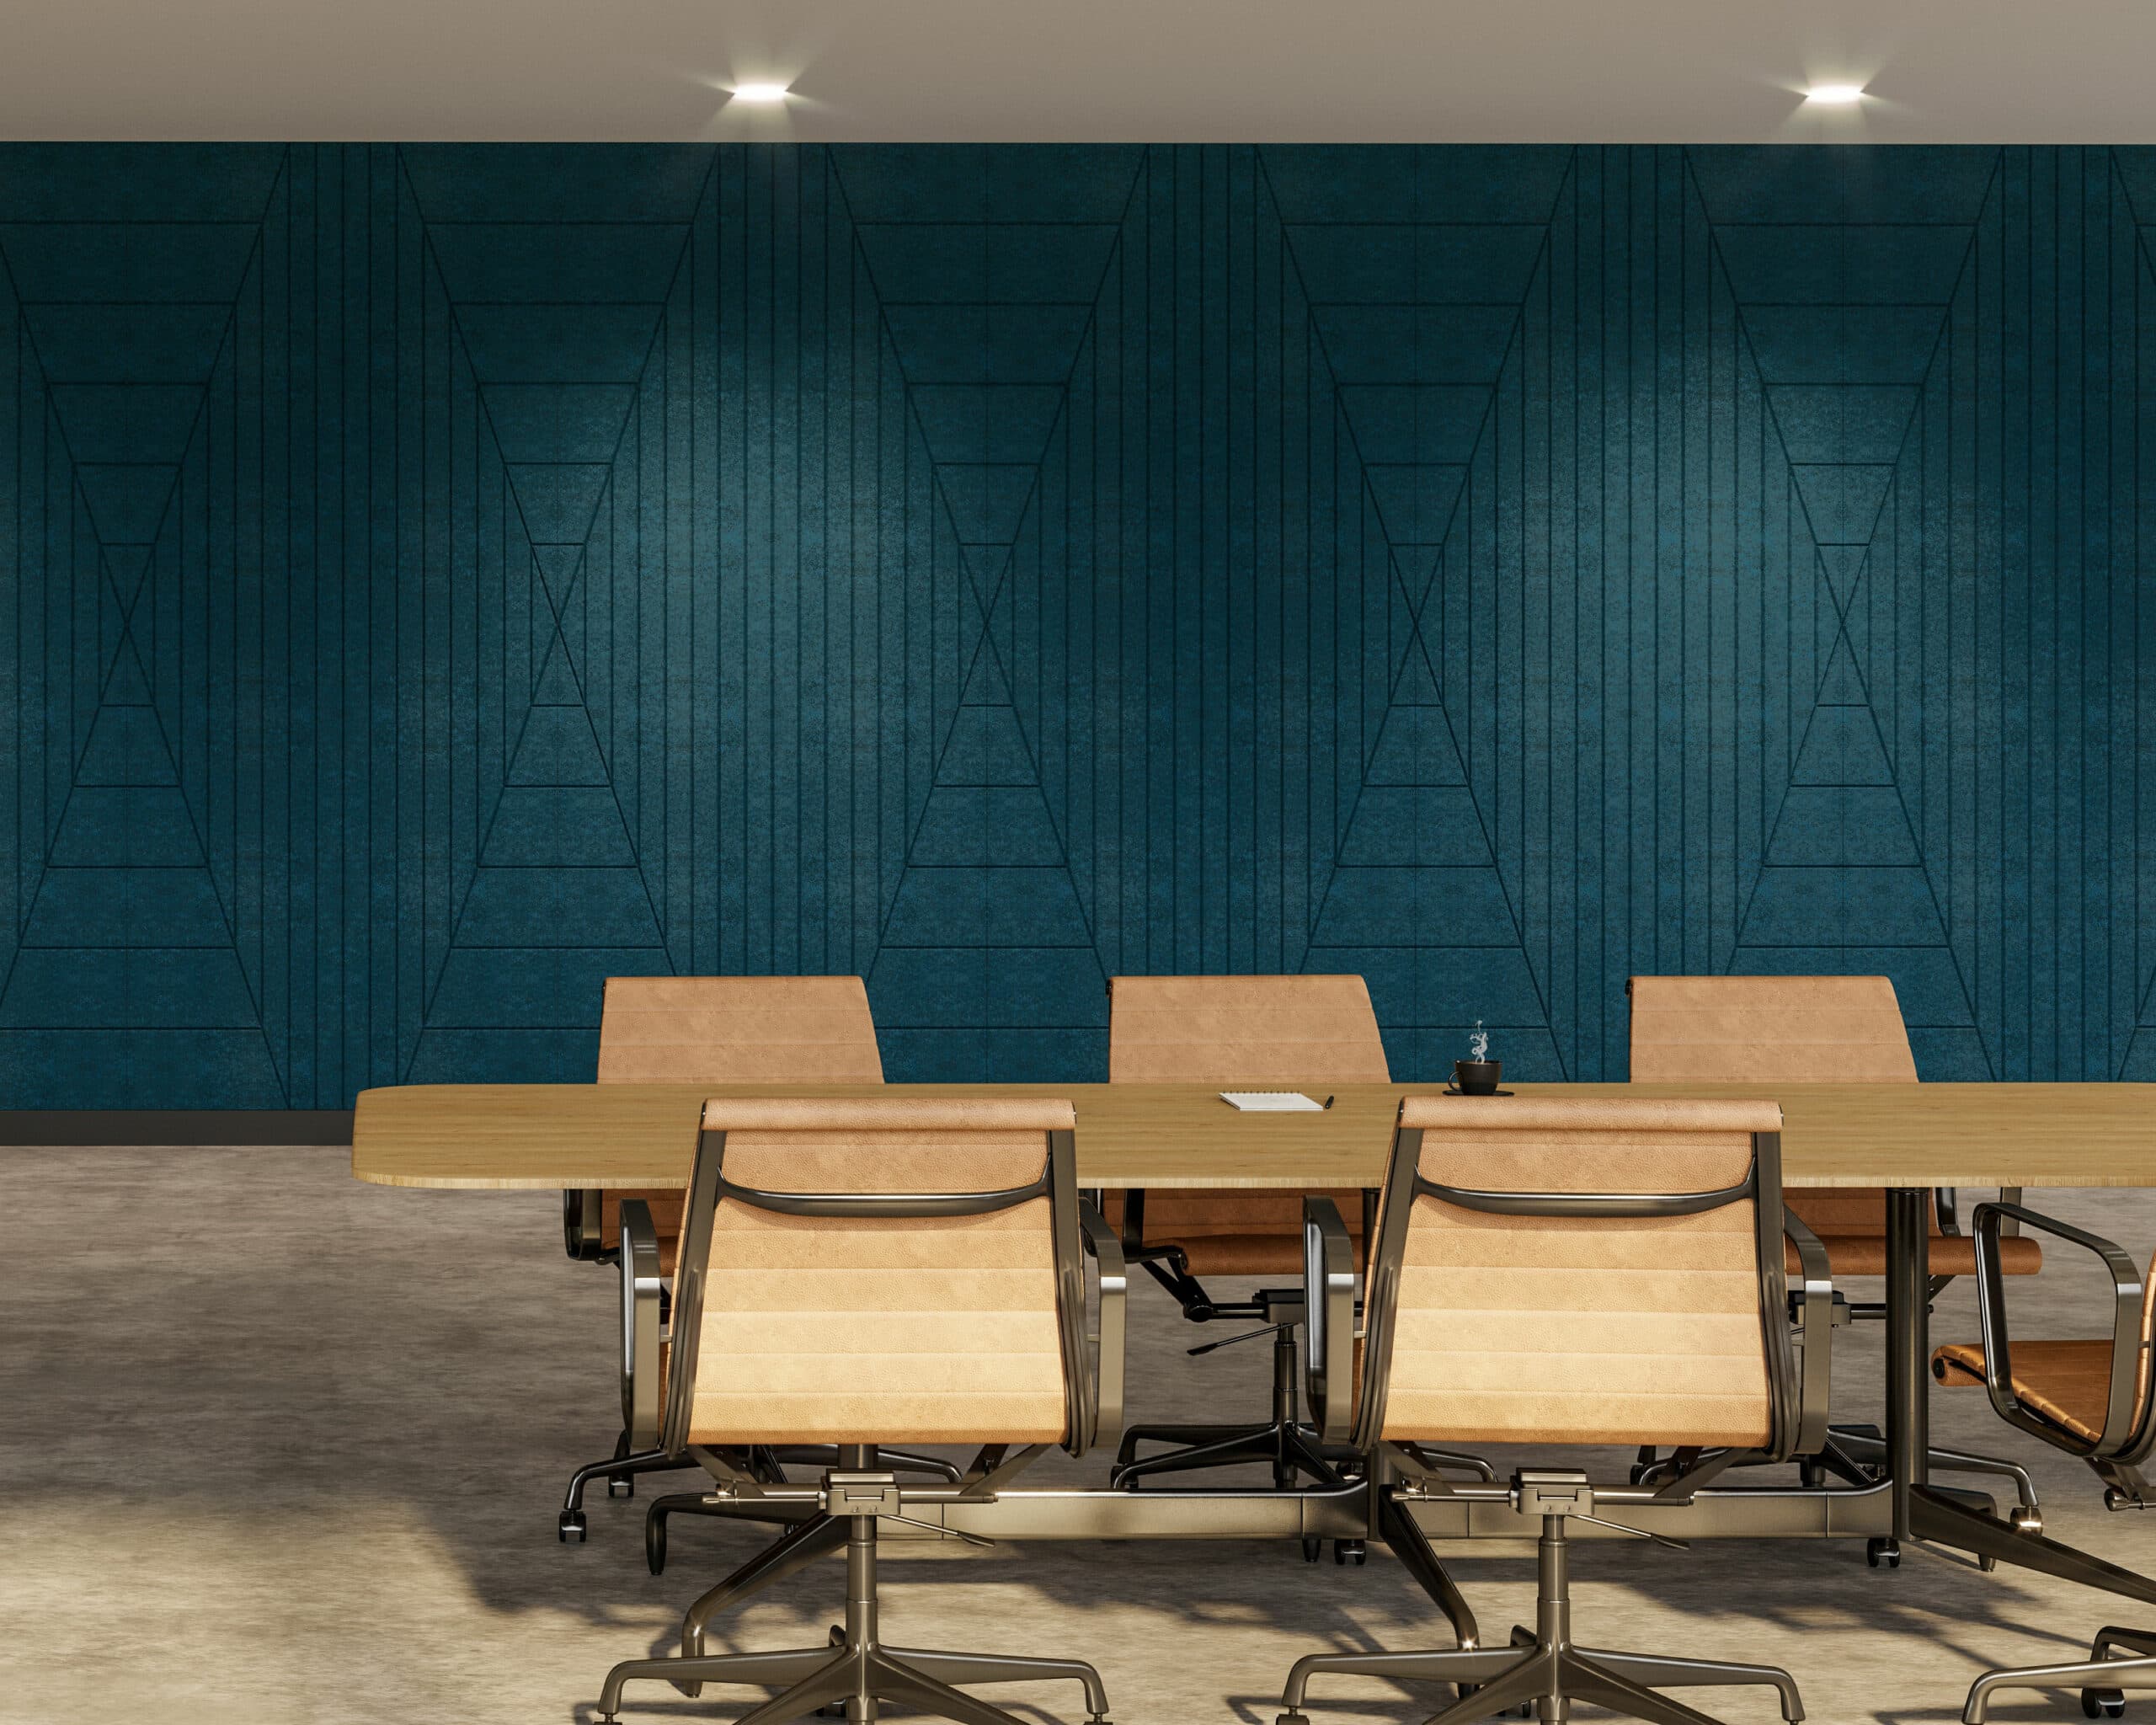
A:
(177, 1126)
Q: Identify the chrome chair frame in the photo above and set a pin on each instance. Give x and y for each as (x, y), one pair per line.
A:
(1284, 1442)
(1857, 1454)
(1542, 1667)
(2115, 1453)
(854, 1670)
(645, 1311)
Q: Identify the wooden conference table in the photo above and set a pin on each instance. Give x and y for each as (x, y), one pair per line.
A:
(1907, 1138)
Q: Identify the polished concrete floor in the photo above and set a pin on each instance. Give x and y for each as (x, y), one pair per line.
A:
(279, 1449)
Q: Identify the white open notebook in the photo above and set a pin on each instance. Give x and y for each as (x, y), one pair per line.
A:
(1271, 1101)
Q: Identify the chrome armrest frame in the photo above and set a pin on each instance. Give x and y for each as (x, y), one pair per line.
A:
(1812, 1309)
(642, 1284)
(582, 1228)
(1107, 1332)
(1328, 1320)
(2120, 1438)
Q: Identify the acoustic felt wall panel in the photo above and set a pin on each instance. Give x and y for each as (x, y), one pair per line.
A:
(440, 577)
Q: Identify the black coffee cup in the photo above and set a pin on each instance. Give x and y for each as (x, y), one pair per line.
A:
(1477, 1077)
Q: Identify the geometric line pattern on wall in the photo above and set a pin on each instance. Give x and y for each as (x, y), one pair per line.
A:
(1849, 334)
(443, 575)
(136, 948)
(988, 294)
(1419, 324)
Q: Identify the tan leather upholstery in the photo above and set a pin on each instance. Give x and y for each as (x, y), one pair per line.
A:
(736, 1030)
(1796, 1030)
(1951, 1254)
(2068, 1383)
(1734, 1030)
(1577, 1330)
(728, 1030)
(1253, 1032)
(1230, 1233)
(1277, 1031)
(927, 1330)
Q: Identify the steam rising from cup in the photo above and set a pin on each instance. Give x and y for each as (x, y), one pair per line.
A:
(1478, 1045)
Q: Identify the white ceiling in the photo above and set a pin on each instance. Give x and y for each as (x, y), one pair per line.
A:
(1433, 70)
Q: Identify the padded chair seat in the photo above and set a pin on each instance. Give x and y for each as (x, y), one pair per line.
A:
(1951, 1255)
(1248, 1254)
(1235, 1233)
(2067, 1383)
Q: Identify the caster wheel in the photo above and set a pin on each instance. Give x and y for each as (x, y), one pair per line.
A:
(2024, 1520)
(1310, 1549)
(570, 1526)
(621, 1485)
(2104, 1703)
(1987, 1564)
(1346, 1551)
(654, 1542)
(1882, 1553)
(1293, 1719)
(1810, 1475)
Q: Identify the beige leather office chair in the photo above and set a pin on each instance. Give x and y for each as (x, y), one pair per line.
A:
(716, 1030)
(1237, 1032)
(1567, 1272)
(2093, 1399)
(693, 1030)
(1769, 1030)
(863, 1272)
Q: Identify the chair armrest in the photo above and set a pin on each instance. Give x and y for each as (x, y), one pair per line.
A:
(1990, 1221)
(584, 1210)
(1328, 1319)
(1102, 1246)
(641, 1285)
(1812, 1309)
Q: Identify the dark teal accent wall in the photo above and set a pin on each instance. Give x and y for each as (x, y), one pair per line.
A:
(439, 577)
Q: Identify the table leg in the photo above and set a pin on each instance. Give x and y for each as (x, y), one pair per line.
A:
(1908, 1349)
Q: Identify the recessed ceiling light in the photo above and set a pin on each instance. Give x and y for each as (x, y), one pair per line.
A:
(1834, 95)
(759, 92)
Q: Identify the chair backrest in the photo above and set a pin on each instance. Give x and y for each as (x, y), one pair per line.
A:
(736, 1030)
(1271, 1031)
(887, 1271)
(1259, 1033)
(1769, 1030)
(1603, 1271)
(1778, 1030)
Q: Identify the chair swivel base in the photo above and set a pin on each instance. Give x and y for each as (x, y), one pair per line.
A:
(853, 1679)
(1289, 1447)
(1508, 1681)
(1542, 1670)
(1862, 1451)
(2102, 1679)
(620, 1469)
(854, 1674)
